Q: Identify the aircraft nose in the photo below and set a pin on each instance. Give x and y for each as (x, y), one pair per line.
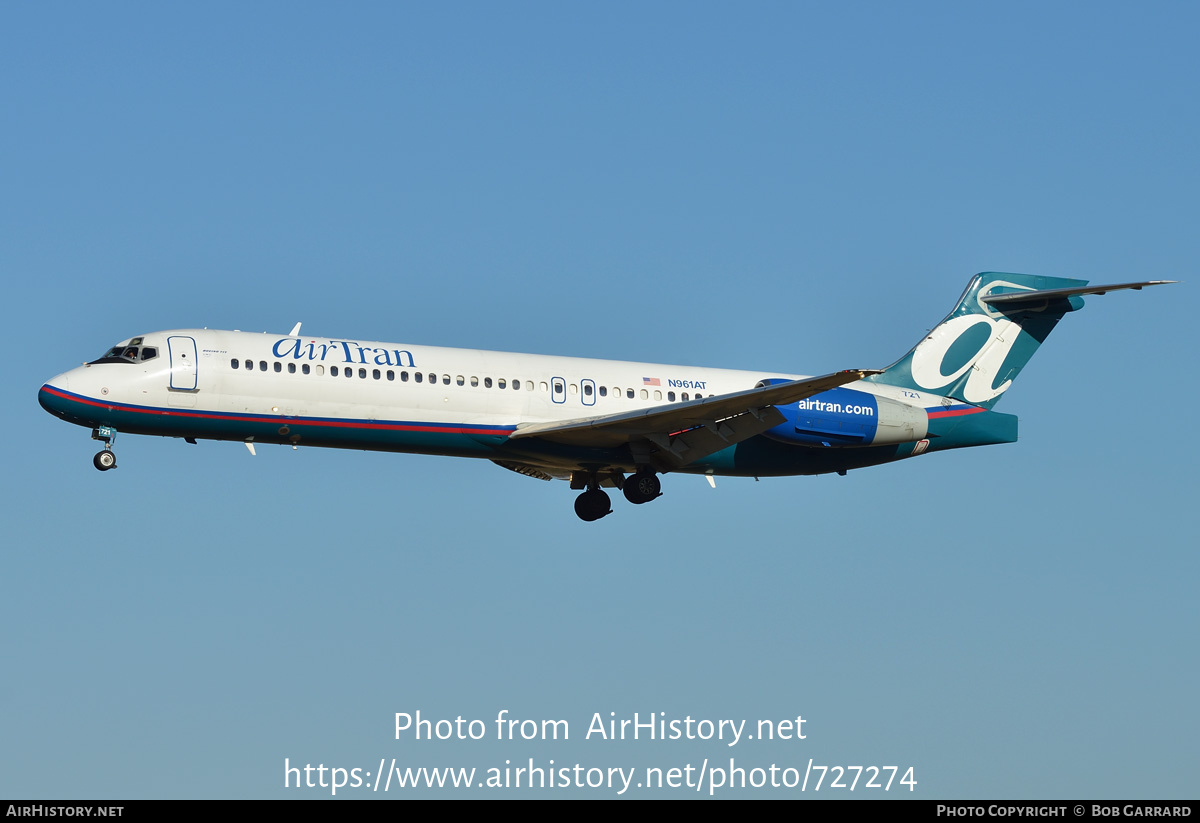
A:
(46, 392)
(60, 381)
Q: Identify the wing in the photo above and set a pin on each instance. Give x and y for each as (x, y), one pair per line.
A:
(685, 432)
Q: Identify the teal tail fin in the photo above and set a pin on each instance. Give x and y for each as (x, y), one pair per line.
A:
(977, 351)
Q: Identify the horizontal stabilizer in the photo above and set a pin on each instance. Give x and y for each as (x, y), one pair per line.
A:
(1012, 299)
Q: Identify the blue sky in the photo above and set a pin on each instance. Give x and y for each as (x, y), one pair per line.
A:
(790, 187)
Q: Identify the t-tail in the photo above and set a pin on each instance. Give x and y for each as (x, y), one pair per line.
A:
(974, 355)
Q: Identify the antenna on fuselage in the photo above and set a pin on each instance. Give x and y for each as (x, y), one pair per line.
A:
(295, 332)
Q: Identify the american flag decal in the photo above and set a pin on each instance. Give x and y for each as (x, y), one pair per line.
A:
(651, 381)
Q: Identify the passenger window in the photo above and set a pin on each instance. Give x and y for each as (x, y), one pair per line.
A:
(375, 373)
(516, 385)
(657, 394)
(291, 368)
(671, 396)
(629, 393)
(474, 381)
(262, 365)
(487, 382)
(558, 387)
(445, 380)
(320, 370)
(685, 395)
(528, 385)
(418, 376)
(391, 375)
(249, 365)
(433, 378)
(544, 386)
(362, 373)
(305, 368)
(604, 391)
(278, 367)
(348, 372)
(403, 377)
(234, 364)
(333, 370)
(645, 394)
(501, 383)
(587, 389)
(460, 380)
(574, 389)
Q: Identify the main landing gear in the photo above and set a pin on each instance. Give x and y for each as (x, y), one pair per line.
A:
(107, 459)
(638, 488)
(642, 487)
(592, 505)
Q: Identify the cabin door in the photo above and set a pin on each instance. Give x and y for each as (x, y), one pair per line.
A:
(183, 363)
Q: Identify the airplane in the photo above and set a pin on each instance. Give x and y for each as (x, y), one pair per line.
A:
(596, 423)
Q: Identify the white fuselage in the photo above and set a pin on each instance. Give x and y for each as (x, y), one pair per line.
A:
(230, 385)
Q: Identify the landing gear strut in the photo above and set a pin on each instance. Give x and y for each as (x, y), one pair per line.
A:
(642, 487)
(107, 459)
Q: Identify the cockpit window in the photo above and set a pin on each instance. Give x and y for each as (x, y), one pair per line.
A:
(128, 353)
(119, 354)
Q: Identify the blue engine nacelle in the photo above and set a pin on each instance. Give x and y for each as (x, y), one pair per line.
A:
(846, 417)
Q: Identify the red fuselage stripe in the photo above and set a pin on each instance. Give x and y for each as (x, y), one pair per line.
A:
(283, 419)
(954, 413)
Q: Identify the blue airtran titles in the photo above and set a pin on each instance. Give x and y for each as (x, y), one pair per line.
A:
(349, 352)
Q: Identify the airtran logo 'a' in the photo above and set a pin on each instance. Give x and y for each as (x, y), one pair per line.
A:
(974, 343)
(343, 351)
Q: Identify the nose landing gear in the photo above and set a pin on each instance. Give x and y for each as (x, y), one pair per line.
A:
(107, 459)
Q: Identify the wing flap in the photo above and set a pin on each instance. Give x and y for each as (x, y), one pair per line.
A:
(690, 446)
